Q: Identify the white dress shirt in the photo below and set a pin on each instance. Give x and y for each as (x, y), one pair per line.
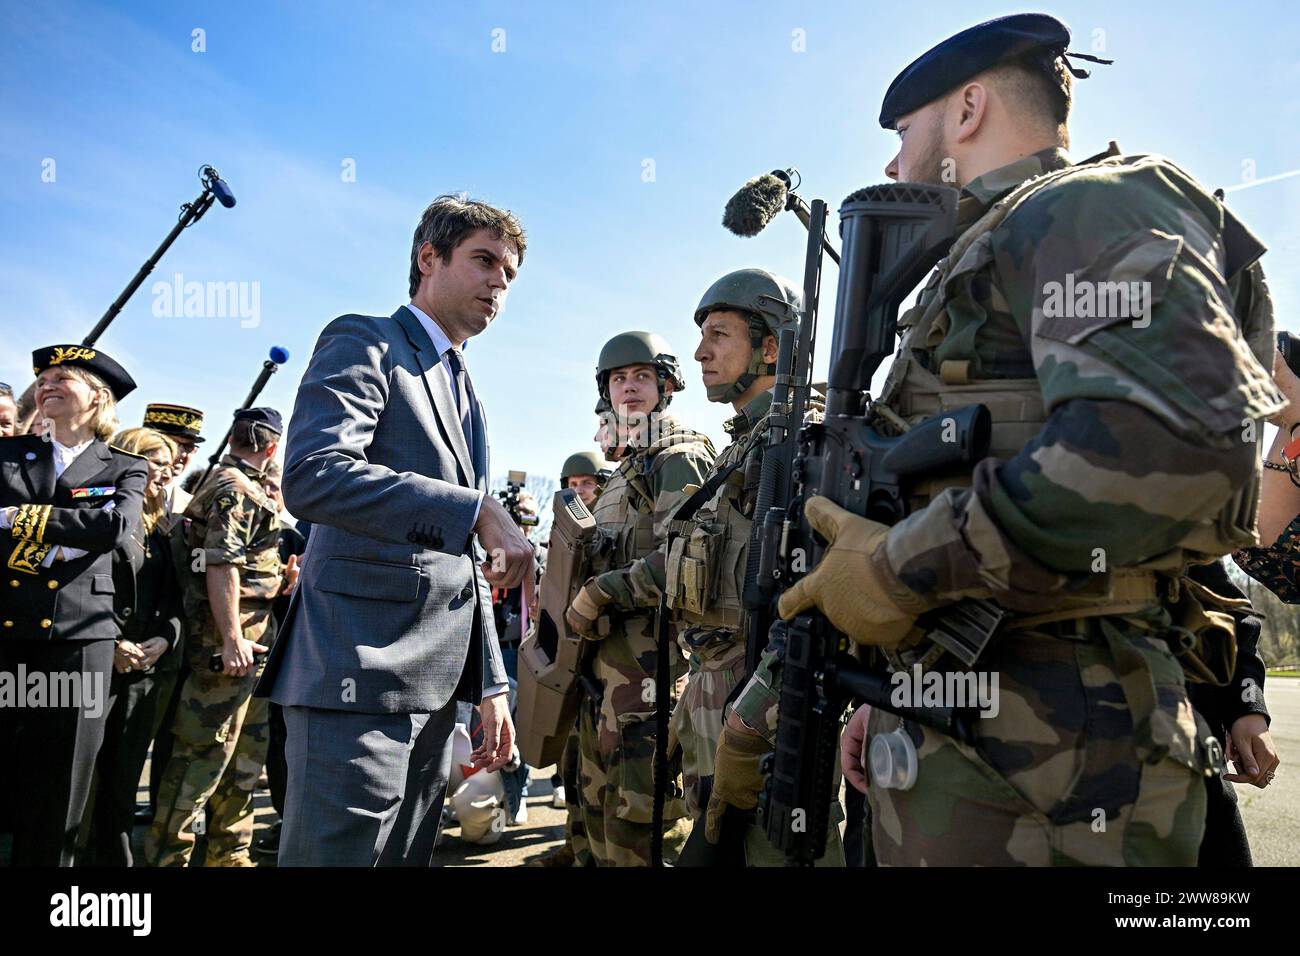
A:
(444, 345)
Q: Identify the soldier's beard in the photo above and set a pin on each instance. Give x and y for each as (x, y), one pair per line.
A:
(929, 167)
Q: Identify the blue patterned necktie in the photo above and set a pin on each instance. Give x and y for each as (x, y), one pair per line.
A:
(462, 393)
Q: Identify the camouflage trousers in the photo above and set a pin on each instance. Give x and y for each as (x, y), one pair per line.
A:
(220, 738)
(575, 830)
(697, 718)
(1094, 758)
(616, 745)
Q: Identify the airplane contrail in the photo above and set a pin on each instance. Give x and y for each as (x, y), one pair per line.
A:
(1260, 182)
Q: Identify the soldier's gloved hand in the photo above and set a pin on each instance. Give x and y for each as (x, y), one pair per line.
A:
(853, 584)
(737, 780)
(586, 608)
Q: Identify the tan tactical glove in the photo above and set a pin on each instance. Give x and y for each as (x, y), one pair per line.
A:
(586, 608)
(853, 584)
(736, 778)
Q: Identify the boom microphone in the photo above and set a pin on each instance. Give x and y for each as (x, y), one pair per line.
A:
(212, 179)
(757, 203)
(761, 199)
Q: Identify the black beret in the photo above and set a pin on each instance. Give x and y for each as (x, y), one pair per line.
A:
(954, 61)
(262, 416)
(92, 360)
(179, 420)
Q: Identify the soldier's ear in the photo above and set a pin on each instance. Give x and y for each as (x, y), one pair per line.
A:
(769, 349)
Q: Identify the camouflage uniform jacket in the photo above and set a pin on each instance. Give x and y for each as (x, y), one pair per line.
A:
(654, 481)
(640, 584)
(1142, 442)
(232, 521)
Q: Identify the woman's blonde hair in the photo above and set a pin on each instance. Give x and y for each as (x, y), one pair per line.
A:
(105, 422)
(142, 441)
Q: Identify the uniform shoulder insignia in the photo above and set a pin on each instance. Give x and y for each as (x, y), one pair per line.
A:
(129, 454)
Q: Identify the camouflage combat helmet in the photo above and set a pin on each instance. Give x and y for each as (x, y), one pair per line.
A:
(768, 302)
(639, 348)
(582, 463)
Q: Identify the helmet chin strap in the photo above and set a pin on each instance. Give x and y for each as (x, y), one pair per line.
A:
(731, 391)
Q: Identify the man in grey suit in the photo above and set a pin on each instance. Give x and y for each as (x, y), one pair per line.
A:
(391, 623)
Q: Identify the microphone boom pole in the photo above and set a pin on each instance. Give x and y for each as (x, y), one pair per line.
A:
(272, 365)
(214, 188)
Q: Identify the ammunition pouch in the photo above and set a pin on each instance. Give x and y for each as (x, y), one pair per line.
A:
(1204, 635)
(705, 575)
(696, 564)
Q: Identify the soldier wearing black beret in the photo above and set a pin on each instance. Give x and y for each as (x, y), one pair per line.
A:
(67, 500)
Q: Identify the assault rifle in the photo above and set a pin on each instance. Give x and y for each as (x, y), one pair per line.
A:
(892, 236)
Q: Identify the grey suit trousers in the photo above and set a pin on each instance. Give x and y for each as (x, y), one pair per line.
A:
(364, 789)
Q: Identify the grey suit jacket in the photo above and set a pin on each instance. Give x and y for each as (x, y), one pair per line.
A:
(391, 613)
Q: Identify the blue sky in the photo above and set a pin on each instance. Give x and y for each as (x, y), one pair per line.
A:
(559, 127)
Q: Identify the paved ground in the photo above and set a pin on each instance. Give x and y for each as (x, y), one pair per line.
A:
(1272, 816)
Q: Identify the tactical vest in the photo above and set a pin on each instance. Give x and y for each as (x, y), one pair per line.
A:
(1016, 407)
(705, 568)
(625, 511)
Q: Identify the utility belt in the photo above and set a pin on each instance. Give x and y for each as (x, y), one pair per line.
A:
(1201, 631)
(1131, 592)
(1176, 633)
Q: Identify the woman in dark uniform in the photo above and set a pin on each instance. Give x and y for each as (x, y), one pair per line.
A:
(67, 501)
(150, 630)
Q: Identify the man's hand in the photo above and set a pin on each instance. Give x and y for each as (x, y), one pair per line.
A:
(237, 656)
(586, 608)
(1251, 750)
(851, 741)
(290, 574)
(498, 734)
(510, 556)
(737, 781)
(852, 584)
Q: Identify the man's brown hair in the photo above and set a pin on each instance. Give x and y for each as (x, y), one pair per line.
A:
(1044, 92)
(251, 436)
(449, 219)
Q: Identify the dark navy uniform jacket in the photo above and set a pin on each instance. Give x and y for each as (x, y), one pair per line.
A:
(94, 505)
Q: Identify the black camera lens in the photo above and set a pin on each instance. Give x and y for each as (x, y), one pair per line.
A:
(1288, 343)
